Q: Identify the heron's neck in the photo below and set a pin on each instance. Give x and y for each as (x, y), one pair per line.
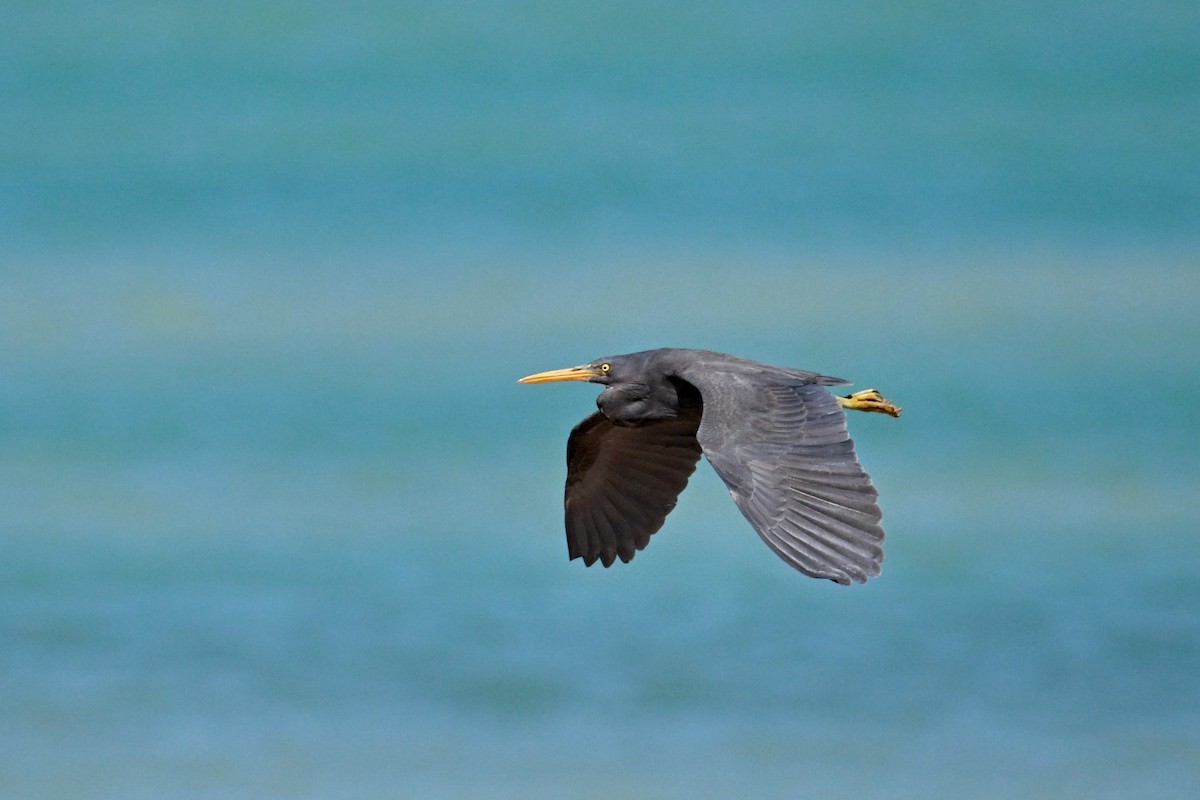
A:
(634, 403)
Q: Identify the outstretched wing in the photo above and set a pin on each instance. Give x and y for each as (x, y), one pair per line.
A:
(622, 481)
(782, 447)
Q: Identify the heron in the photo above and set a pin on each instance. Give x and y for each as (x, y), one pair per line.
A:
(776, 436)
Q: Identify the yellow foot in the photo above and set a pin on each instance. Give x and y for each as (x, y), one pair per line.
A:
(870, 400)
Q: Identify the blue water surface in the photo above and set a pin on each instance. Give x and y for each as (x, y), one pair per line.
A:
(277, 522)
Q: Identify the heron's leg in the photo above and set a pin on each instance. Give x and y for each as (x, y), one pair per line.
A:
(870, 400)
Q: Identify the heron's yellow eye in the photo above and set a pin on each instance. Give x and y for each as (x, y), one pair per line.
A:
(605, 368)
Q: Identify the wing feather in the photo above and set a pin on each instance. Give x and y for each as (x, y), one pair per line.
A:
(782, 447)
(623, 480)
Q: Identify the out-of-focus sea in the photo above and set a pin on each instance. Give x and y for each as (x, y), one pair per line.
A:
(277, 522)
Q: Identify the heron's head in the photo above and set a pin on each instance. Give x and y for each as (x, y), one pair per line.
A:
(605, 371)
(637, 386)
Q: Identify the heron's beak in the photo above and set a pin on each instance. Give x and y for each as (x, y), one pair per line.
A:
(582, 373)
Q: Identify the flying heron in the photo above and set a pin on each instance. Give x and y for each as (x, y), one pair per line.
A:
(776, 436)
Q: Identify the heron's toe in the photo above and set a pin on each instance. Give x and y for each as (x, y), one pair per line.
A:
(870, 400)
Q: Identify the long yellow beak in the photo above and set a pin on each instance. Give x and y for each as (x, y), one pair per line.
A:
(581, 373)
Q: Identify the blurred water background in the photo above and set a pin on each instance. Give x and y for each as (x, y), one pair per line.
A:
(277, 522)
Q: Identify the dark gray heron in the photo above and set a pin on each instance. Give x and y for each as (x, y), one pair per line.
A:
(776, 436)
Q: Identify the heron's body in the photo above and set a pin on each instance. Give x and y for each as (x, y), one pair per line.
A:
(775, 435)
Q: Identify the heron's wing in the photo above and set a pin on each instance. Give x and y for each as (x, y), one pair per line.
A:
(783, 449)
(622, 481)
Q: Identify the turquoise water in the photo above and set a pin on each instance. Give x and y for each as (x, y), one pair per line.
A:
(276, 520)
